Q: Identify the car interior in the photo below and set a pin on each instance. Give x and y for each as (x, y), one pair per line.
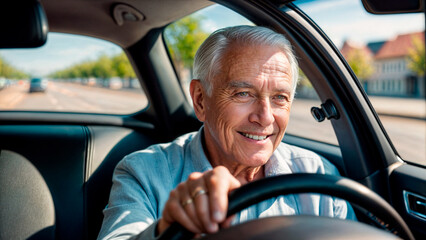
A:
(56, 167)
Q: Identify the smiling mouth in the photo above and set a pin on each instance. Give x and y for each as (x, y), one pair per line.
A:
(254, 137)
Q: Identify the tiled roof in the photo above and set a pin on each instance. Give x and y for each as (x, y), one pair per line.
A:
(399, 47)
(349, 46)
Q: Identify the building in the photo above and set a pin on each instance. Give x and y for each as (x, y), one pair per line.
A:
(349, 46)
(360, 58)
(391, 75)
(375, 46)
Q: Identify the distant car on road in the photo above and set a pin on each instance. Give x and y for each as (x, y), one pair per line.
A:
(38, 85)
(90, 81)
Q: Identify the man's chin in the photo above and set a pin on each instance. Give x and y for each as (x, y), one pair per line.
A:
(255, 159)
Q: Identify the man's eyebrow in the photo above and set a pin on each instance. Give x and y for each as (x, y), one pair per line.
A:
(283, 90)
(238, 84)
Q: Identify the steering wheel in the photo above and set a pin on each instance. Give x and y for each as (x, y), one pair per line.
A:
(304, 227)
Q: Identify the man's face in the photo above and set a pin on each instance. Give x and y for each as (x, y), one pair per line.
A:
(247, 113)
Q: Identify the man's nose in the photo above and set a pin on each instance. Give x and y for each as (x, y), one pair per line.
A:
(263, 113)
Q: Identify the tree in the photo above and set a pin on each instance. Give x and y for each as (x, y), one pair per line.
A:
(86, 69)
(184, 37)
(416, 57)
(360, 63)
(8, 71)
(103, 67)
(122, 66)
(303, 80)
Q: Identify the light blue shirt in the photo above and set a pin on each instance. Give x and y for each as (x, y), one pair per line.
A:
(143, 180)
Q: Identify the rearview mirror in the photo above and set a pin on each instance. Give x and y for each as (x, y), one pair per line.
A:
(23, 24)
(393, 6)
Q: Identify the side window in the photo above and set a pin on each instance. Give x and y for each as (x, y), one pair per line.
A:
(184, 37)
(387, 53)
(69, 73)
(301, 121)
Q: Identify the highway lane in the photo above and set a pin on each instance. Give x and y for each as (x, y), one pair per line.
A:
(70, 97)
(407, 134)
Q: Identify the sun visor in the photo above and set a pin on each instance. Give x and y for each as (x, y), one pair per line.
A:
(23, 24)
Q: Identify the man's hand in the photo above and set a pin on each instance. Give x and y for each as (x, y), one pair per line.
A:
(200, 203)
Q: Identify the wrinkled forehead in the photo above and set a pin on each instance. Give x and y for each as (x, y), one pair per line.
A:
(251, 61)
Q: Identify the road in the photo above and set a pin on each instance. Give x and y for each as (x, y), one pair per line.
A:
(73, 97)
(407, 134)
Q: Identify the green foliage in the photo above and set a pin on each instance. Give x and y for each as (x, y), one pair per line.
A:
(416, 57)
(123, 68)
(104, 67)
(10, 72)
(361, 64)
(303, 80)
(183, 38)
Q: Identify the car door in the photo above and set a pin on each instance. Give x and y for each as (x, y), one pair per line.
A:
(400, 133)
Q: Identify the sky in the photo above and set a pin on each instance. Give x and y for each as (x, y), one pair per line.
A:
(59, 52)
(347, 19)
(340, 20)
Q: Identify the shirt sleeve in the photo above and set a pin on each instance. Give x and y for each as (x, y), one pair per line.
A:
(342, 209)
(130, 210)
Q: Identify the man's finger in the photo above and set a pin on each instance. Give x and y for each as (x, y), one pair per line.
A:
(174, 212)
(187, 203)
(227, 222)
(220, 183)
(199, 195)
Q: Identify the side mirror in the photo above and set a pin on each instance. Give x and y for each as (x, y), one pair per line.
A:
(23, 24)
(393, 6)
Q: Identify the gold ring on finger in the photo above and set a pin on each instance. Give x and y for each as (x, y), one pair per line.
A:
(188, 201)
(198, 192)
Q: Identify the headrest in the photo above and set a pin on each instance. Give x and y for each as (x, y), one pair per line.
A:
(23, 24)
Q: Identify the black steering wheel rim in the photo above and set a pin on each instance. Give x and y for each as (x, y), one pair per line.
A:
(337, 186)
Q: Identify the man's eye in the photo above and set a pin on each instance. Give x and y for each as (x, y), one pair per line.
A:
(280, 97)
(243, 94)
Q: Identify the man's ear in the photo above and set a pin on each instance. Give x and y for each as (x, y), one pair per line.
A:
(198, 97)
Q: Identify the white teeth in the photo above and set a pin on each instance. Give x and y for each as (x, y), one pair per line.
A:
(254, 137)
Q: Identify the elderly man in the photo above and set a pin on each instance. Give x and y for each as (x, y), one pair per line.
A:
(245, 80)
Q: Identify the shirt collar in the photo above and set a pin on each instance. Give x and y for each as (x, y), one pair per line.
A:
(199, 158)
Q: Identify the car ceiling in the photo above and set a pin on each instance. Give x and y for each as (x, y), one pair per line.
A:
(95, 17)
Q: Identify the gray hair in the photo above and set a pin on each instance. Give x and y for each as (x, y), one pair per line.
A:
(209, 56)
